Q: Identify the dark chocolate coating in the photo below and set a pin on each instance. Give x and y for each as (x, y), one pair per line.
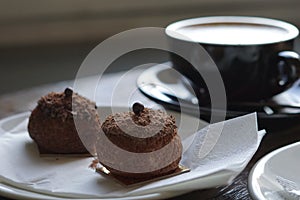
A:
(51, 123)
(144, 157)
(167, 129)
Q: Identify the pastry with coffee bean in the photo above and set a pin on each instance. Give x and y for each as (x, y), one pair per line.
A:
(52, 123)
(142, 143)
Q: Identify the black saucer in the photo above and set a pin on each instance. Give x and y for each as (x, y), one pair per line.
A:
(168, 87)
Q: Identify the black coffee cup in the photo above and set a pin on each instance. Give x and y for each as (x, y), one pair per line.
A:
(255, 56)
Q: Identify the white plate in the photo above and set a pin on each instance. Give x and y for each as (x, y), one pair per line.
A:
(274, 175)
(15, 125)
(215, 155)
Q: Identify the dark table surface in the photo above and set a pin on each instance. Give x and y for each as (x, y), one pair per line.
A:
(25, 100)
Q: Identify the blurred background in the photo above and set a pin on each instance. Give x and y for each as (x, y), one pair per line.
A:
(46, 41)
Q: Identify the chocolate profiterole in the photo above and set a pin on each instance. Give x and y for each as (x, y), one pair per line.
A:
(142, 143)
(51, 123)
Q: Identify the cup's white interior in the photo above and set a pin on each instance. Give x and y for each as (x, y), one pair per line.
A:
(232, 30)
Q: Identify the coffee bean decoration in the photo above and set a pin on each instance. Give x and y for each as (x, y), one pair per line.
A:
(137, 108)
(68, 92)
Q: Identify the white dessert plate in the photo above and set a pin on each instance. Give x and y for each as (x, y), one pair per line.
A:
(17, 124)
(277, 175)
(213, 161)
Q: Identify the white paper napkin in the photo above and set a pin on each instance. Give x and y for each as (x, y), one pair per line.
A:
(215, 154)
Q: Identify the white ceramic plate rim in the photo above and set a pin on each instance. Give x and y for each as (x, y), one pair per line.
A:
(255, 173)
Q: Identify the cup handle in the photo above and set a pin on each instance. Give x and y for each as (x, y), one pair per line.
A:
(288, 67)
